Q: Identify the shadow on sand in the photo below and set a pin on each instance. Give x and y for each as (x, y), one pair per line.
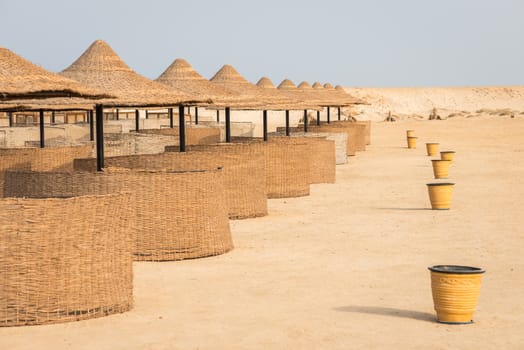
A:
(388, 311)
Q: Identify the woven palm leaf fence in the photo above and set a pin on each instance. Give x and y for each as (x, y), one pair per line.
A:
(11, 162)
(50, 158)
(244, 172)
(64, 259)
(363, 131)
(287, 165)
(322, 158)
(340, 139)
(194, 135)
(176, 215)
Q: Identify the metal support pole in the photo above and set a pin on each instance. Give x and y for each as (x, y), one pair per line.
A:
(53, 117)
(170, 114)
(218, 115)
(117, 114)
(338, 113)
(328, 116)
(196, 115)
(42, 136)
(264, 120)
(318, 117)
(10, 116)
(147, 114)
(228, 125)
(287, 123)
(99, 137)
(305, 120)
(91, 125)
(182, 128)
(137, 120)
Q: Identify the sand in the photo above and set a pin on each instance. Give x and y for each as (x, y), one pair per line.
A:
(346, 267)
(417, 103)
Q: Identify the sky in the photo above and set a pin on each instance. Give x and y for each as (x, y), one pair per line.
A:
(366, 43)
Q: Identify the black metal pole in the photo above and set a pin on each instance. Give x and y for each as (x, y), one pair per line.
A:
(91, 125)
(318, 117)
(228, 125)
(264, 120)
(53, 117)
(137, 120)
(328, 116)
(218, 115)
(99, 112)
(10, 116)
(147, 114)
(305, 120)
(117, 114)
(287, 123)
(338, 113)
(170, 114)
(42, 136)
(182, 128)
(196, 115)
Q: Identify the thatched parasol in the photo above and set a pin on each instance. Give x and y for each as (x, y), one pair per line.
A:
(100, 67)
(227, 77)
(271, 99)
(181, 75)
(21, 79)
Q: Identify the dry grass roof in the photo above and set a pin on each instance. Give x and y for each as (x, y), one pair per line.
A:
(270, 99)
(20, 79)
(181, 75)
(100, 67)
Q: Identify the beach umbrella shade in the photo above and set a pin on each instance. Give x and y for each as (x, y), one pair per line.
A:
(227, 77)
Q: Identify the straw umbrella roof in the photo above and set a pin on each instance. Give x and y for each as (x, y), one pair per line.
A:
(48, 104)
(317, 85)
(182, 76)
(21, 79)
(100, 67)
(265, 83)
(272, 99)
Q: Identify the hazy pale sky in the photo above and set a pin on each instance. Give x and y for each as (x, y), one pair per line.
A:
(347, 42)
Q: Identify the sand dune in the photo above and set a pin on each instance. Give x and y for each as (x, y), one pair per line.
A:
(418, 103)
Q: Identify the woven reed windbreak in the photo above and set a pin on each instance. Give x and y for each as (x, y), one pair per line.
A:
(50, 158)
(64, 260)
(340, 139)
(176, 215)
(367, 123)
(287, 165)
(11, 162)
(322, 159)
(363, 132)
(243, 167)
(350, 131)
(194, 136)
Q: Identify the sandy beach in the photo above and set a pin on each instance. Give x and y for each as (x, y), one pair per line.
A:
(346, 267)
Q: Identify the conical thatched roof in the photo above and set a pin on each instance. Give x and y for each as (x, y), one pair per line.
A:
(341, 92)
(317, 85)
(287, 85)
(49, 104)
(181, 75)
(99, 66)
(265, 83)
(21, 79)
(305, 86)
(230, 79)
